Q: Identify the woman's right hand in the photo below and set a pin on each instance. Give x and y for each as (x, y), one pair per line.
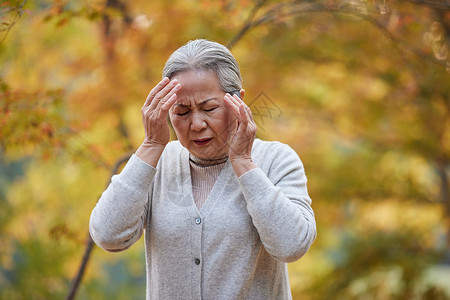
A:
(155, 110)
(154, 118)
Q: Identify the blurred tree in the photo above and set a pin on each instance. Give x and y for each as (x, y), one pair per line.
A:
(10, 12)
(364, 97)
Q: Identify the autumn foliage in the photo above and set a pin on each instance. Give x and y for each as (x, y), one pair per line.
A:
(360, 89)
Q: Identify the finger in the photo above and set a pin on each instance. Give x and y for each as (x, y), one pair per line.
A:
(155, 90)
(163, 93)
(243, 114)
(248, 111)
(168, 96)
(238, 102)
(231, 104)
(237, 110)
(235, 101)
(168, 104)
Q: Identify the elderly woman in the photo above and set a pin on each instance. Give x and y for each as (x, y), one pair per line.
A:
(222, 212)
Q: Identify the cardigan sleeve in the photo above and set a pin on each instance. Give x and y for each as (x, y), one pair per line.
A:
(280, 207)
(118, 219)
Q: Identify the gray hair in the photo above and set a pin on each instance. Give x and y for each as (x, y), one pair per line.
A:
(202, 54)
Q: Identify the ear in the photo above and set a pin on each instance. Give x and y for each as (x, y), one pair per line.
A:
(242, 93)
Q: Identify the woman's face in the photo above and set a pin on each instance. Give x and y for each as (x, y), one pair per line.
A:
(202, 122)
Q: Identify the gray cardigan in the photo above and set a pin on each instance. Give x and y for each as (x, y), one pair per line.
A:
(235, 247)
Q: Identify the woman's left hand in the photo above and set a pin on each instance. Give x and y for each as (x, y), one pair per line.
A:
(240, 153)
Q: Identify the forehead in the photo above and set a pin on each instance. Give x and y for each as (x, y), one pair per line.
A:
(197, 82)
(197, 87)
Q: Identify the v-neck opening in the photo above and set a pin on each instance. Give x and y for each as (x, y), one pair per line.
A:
(216, 191)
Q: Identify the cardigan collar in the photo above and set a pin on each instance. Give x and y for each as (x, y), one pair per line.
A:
(225, 175)
(207, 162)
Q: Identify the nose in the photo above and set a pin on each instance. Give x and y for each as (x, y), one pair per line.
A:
(198, 123)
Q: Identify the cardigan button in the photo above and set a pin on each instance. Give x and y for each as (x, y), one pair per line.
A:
(198, 221)
(197, 261)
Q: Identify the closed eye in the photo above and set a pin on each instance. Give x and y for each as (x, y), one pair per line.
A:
(210, 109)
(182, 114)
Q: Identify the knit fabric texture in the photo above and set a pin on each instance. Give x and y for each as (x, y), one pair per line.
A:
(204, 174)
(235, 246)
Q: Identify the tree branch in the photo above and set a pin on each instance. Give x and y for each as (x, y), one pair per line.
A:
(436, 4)
(377, 24)
(7, 26)
(90, 243)
(247, 25)
(295, 8)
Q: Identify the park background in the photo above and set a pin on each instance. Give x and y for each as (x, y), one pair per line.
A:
(360, 89)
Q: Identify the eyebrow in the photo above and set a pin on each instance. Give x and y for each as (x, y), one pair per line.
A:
(200, 104)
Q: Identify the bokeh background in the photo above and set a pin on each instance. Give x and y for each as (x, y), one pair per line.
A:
(359, 88)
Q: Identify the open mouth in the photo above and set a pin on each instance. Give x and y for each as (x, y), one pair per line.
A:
(202, 142)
